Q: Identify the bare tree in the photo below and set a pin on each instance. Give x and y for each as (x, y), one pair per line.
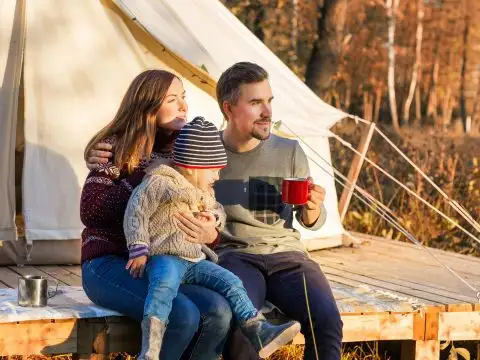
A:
(324, 58)
(463, 96)
(392, 6)
(417, 64)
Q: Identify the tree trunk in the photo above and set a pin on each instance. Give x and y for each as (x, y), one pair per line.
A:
(259, 10)
(294, 38)
(392, 6)
(418, 105)
(418, 61)
(476, 110)
(323, 62)
(378, 104)
(463, 96)
(432, 92)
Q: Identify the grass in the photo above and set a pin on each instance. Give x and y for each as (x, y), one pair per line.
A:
(452, 162)
(290, 352)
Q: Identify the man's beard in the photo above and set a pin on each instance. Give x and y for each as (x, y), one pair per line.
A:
(261, 134)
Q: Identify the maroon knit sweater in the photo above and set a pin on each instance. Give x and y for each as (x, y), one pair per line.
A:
(103, 203)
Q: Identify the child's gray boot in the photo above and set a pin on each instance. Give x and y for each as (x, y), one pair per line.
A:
(268, 338)
(153, 330)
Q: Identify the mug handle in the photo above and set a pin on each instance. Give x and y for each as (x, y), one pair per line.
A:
(52, 294)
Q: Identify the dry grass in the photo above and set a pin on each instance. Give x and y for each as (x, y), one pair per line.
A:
(452, 162)
(290, 352)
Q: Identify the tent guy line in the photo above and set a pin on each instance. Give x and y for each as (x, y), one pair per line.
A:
(370, 201)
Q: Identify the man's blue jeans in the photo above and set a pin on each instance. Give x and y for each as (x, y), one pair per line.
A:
(282, 278)
(108, 284)
(165, 274)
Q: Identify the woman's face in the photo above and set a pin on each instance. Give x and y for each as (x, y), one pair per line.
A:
(172, 114)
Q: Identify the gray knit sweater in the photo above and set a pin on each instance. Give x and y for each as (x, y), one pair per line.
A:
(149, 218)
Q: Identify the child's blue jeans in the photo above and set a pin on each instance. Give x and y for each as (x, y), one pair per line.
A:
(165, 274)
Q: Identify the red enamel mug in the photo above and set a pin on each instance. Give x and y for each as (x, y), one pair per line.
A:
(295, 191)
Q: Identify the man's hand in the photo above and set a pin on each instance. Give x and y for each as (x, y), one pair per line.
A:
(137, 266)
(199, 231)
(311, 210)
(100, 154)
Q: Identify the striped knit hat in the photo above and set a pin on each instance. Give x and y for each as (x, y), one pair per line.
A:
(198, 146)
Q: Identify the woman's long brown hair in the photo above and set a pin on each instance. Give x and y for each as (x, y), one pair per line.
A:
(134, 125)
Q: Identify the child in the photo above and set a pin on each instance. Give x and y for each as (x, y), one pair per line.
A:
(150, 230)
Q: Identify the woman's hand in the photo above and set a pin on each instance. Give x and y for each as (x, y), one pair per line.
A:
(199, 231)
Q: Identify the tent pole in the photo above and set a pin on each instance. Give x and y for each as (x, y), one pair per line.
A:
(355, 168)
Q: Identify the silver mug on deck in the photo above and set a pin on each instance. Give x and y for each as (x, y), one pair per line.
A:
(33, 291)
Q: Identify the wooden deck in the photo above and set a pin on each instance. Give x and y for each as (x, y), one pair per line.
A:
(385, 290)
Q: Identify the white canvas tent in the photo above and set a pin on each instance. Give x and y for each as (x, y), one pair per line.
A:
(64, 66)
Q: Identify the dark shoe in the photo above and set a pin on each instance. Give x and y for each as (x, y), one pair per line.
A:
(267, 338)
(153, 330)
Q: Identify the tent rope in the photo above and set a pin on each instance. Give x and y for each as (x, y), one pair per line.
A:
(454, 204)
(371, 201)
(398, 182)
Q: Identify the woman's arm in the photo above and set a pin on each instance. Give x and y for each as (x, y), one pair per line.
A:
(105, 197)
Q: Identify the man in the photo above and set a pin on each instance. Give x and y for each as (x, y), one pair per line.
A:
(259, 243)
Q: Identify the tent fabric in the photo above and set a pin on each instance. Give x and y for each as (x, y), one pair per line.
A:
(79, 58)
(74, 82)
(12, 36)
(206, 33)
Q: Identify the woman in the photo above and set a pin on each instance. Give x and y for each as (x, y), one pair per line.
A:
(152, 112)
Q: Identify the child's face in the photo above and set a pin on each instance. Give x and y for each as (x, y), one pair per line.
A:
(204, 179)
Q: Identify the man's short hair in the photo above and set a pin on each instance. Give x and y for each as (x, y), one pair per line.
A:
(228, 86)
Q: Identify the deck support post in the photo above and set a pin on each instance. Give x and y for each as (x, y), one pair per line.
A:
(420, 350)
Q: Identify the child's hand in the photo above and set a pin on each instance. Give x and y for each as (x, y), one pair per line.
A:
(137, 266)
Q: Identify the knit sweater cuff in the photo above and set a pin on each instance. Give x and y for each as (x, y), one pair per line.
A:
(137, 250)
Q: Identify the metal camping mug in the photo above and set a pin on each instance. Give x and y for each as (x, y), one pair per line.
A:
(33, 291)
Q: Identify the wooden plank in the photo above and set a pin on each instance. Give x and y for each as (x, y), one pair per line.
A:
(459, 325)
(408, 251)
(62, 275)
(74, 269)
(32, 270)
(385, 285)
(8, 277)
(355, 168)
(38, 337)
(431, 321)
(376, 240)
(381, 326)
(424, 275)
(378, 327)
(351, 299)
(391, 278)
(394, 274)
(422, 350)
(459, 307)
(416, 258)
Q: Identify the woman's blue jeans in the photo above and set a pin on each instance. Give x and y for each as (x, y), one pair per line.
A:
(108, 284)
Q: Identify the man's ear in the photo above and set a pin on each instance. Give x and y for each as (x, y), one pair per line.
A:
(227, 109)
